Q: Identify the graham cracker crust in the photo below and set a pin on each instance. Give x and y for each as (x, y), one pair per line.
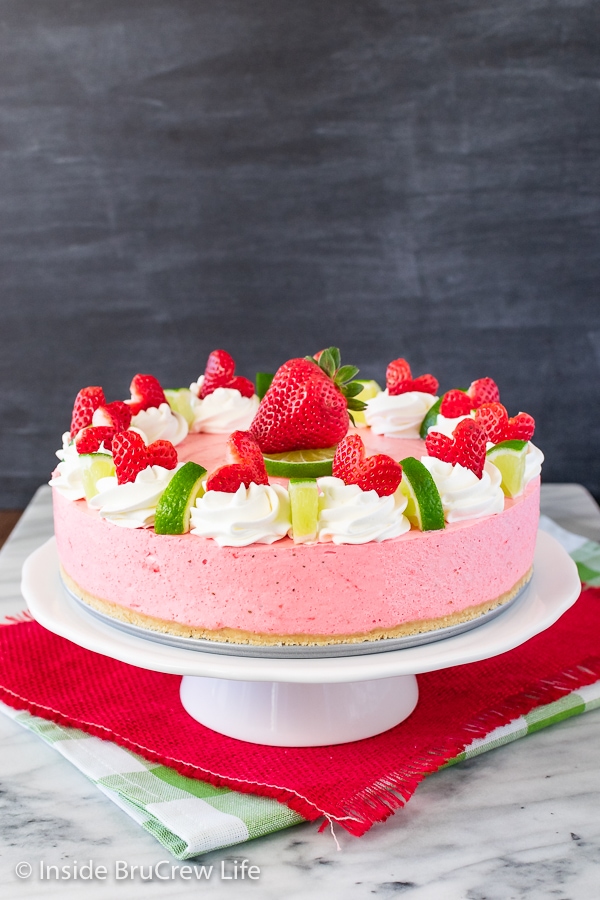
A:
(237, 636)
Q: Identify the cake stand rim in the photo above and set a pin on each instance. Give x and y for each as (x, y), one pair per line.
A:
(554, 587)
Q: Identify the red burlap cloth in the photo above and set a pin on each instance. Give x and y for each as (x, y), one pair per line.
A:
(354, 784)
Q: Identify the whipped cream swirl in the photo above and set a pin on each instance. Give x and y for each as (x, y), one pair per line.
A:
(132, 505)
(464, 495)
(223, 411)
(160, 423)
(533, 463)
(349, 515)
(259, 514)
(398, 416)
(67, 477)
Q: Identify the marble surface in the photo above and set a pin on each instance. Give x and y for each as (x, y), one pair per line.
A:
(518, 822)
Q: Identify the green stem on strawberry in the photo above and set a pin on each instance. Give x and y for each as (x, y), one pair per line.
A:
(342, 376)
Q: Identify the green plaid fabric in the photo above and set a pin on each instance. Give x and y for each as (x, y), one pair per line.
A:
(189, 817)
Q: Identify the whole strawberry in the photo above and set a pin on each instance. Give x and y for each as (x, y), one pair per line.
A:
(306, 406)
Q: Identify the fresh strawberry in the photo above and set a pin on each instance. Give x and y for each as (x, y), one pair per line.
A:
(455, 403)
(130, 455)
(145, 393)
(469, 446)
(440, 445)
(349, 456)
(379, 473)
(425, 384)
(399, 380)
(466, 447)
(115, 415)
(494, 419)
(242, 449)
(91, 438)
(484, 390)
(229, 478)
(397, 373)
(306, 406)
(220, 372)
(243, 385)
(86, 403)
(162, 453)
(520, 428)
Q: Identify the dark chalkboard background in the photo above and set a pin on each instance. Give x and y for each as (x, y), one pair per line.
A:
(411, 178)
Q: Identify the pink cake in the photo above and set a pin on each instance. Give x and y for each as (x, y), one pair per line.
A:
(289, 593)
(281, 591)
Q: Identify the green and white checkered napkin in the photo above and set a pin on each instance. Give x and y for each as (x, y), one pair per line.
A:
(190, 817)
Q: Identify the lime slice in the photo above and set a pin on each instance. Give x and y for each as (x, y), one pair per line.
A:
(304, 506)
(263, 383)
(95, 466)
(370, 390)
(424, 508)
(175, 504)
(181, 400)
(300, 463)
(509, 457)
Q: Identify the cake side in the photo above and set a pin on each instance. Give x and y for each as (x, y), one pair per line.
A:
(290, 589)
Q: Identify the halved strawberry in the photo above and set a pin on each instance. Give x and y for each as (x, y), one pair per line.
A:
(378, 473)
(399, 380)
(115, 415)
(470, 441)
(91, 438)
(229, 478)
(349, 456)
(484, 390)
(440, 445)
(455, 403)
(86, 403)
(220, 372)
(466, 447)
(520, 428)
(162, 453)
(494, 419)
(243, 449)
(146, 392)
(130, 455)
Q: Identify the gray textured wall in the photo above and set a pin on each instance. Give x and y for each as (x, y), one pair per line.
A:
(414, 178)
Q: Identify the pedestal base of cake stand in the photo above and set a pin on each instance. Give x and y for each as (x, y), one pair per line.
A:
(305, 702)
(285, 714)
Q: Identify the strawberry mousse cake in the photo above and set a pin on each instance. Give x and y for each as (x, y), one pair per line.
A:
(210, 513)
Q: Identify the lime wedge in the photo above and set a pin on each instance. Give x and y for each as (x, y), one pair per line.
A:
(304, 507)
(300, 463)
(181, 400)
(509, 457)
(95, 466)
(424, 508)
(263, 383)
(370, 390)
(175, 504)
(430, 419)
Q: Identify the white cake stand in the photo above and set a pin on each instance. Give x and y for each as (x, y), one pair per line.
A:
(305, 702)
